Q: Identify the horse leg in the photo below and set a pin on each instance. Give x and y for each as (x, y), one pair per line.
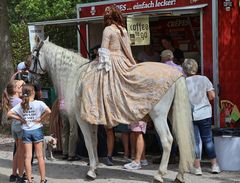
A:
(95, 142)
(88, 133)
(159, 116)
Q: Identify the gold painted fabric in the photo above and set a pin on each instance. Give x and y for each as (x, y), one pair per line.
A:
(124, 92)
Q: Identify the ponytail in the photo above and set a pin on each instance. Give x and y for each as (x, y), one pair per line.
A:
(25, 103)
(27, 91)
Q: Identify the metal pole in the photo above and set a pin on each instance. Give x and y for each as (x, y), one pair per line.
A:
(201, 40)
(215, 61)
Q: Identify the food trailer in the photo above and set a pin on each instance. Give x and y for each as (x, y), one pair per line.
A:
(206, 30)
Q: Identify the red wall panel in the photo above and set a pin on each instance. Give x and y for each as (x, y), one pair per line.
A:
(229, 52)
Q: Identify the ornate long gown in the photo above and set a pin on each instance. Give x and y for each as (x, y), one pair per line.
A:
(114, 89)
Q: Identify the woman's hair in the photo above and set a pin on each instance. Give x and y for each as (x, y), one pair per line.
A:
(190, 66)
(27, 91)
(113, 15)
(8, 92)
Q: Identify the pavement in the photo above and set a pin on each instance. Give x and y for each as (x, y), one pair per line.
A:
(60, 171)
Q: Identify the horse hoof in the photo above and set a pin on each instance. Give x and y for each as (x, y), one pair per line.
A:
(91, 175)
(157, 179)
(178, 181)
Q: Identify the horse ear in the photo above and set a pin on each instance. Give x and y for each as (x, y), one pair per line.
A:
(47, 40)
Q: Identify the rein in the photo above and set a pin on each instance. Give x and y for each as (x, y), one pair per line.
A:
(36, 61)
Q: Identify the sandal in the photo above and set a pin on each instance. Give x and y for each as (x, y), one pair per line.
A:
(43, 181)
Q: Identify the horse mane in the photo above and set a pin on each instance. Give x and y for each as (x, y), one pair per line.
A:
(70, 52)
(64, 67)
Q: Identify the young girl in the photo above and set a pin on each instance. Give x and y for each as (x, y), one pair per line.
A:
(10, 99)
(201, 91)
(31, 113)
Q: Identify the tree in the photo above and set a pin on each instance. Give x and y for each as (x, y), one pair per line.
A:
(6, 67)
(22, 12)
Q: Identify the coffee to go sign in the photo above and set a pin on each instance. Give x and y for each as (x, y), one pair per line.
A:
(138, 30)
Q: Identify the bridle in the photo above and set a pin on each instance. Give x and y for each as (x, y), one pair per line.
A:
(36, 61)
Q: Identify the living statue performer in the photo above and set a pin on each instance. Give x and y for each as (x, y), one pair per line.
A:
(114, 89)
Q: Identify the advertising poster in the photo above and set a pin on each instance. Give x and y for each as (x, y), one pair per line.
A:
(138, 30)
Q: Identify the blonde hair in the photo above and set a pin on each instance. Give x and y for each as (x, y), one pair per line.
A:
(166, 55)
(8, 92)
(190, 66)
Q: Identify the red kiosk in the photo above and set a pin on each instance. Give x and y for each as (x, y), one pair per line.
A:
(206, 30)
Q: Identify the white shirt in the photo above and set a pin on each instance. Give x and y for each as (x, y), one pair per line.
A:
(198, 86)
(36, 109)
(15, 101)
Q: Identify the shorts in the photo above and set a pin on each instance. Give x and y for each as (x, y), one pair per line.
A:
(122, 128)
(17, 131)
(33, 136)
(140, 126)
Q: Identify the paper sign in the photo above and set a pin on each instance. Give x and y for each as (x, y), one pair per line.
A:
(33, 31)
(138, 30)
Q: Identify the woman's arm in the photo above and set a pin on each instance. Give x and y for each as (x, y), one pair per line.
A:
(12, 115)
(14, 75)
(211, 95)
(106, 37)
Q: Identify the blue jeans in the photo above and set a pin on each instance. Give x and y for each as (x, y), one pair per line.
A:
(203, 131)
(33, 136)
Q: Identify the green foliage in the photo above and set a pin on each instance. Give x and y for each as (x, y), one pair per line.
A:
(20, 42)
(40, 10)
(22, 12)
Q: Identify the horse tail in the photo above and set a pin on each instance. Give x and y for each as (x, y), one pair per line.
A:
(182, 125)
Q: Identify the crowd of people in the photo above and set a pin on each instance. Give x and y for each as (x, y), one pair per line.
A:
(27, 114)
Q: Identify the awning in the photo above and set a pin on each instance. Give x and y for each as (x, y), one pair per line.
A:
(77, 21)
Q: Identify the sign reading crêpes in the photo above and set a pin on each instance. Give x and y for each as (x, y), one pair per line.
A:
(138, 30)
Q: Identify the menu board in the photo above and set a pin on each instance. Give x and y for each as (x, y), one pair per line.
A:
(185, 32)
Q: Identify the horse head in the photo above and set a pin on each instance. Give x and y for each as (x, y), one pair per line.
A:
(38, 65)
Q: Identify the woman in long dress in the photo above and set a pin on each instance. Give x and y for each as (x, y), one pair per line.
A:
(114, 88)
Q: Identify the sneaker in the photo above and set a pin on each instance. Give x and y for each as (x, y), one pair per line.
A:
(144, 162)
(216, 169)
(109, 161)
(13, 178)
(196, 171)
(132, 166)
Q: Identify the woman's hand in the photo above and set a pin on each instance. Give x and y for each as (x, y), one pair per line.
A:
(23, 121)
(38, 120)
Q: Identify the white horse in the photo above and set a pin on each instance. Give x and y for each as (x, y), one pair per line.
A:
(66, 68)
